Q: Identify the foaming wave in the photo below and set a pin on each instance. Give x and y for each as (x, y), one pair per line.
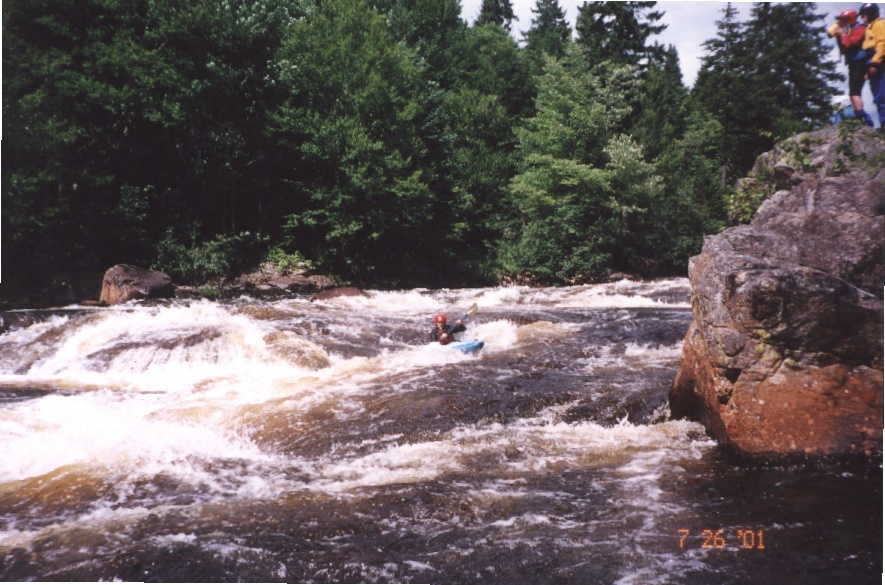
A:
(665, 293)
(171, 348)
(498, 335)
(503, 334)
(601, 299)
(27, 334)
(636, 354)
(510, 295)
(115, 520)
(100, 429)
(527, 446)
(406, 301)
(653, 352)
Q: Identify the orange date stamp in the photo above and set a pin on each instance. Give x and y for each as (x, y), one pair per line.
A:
(721, 539)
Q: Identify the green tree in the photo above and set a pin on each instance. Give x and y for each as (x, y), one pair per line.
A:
(222, 54)
(724, 88)
(579, 185)
(792, 60)
(765, 79)
(479, 162)
(692, 200)
(683, 141)
(432, 28)
(351, 123)
(490, 61)
(473, 140)
(73, 95)
(499, 12)
(123, 117)
(661, 106)
(548, 33)
(618, 31)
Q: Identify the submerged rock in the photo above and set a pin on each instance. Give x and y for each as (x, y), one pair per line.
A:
(296, 350)
(341, 291)
(784, 353)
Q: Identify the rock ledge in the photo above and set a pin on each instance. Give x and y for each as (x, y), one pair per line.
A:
(784, 353)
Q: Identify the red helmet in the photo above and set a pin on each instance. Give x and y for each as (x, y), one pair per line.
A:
(849, 16)
(440, 318)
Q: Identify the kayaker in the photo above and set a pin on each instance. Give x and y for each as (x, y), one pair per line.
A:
(444, 333)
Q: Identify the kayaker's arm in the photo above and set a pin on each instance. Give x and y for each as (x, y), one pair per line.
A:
(459, 327)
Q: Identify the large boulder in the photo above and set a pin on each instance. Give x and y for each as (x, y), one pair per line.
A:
(784, 353)
(124, 282)
(269, 281)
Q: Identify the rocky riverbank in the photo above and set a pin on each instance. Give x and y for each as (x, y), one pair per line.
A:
(784, 353)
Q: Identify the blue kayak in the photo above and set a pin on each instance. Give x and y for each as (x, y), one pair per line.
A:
(468, 346)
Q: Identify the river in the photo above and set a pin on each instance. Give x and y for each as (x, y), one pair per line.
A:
(327, 441)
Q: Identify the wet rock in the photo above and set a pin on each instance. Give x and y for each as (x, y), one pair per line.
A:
(298, 283)
(21, 318)
(296, 350)
(265, 312)
(342, 291)
(784, 353)
(187, 292)
(92, 303)
(125, 282)
(272, 283)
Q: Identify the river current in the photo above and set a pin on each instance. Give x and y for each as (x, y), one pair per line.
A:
(328, 442)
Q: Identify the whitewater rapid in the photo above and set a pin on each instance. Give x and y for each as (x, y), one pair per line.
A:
(170, 431)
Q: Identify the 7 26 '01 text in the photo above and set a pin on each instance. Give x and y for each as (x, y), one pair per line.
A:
(745, 539)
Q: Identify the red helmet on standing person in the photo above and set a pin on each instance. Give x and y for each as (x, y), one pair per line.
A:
(847, 16)
(440, 319)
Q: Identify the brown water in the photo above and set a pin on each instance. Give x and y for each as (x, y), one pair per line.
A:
(327, 442)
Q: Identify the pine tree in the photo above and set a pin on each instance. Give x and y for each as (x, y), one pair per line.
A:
(433, 28)
(792, 60)
(498, 12)
(723, 86)
(135, 114)
(693, 194)
(765, 80)
(355, 188)
(549, 31)
(662, 105)
(576, 203)
(618, 31)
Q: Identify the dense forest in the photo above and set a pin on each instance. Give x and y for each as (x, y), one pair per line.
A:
(387, 142)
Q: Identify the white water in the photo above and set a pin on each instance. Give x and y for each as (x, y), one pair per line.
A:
(207, 395)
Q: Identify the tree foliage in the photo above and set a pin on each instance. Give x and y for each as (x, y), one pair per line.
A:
(356, 190)
(385, 141)
(766, 79)
(548, 34)
(499, 12)
(149, 113)
(568, 215)
(618, 31)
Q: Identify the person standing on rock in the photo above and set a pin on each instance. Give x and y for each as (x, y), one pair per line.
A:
(874, 40)
(850, 34)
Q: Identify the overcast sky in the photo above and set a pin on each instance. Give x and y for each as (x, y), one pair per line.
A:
(689, 24)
